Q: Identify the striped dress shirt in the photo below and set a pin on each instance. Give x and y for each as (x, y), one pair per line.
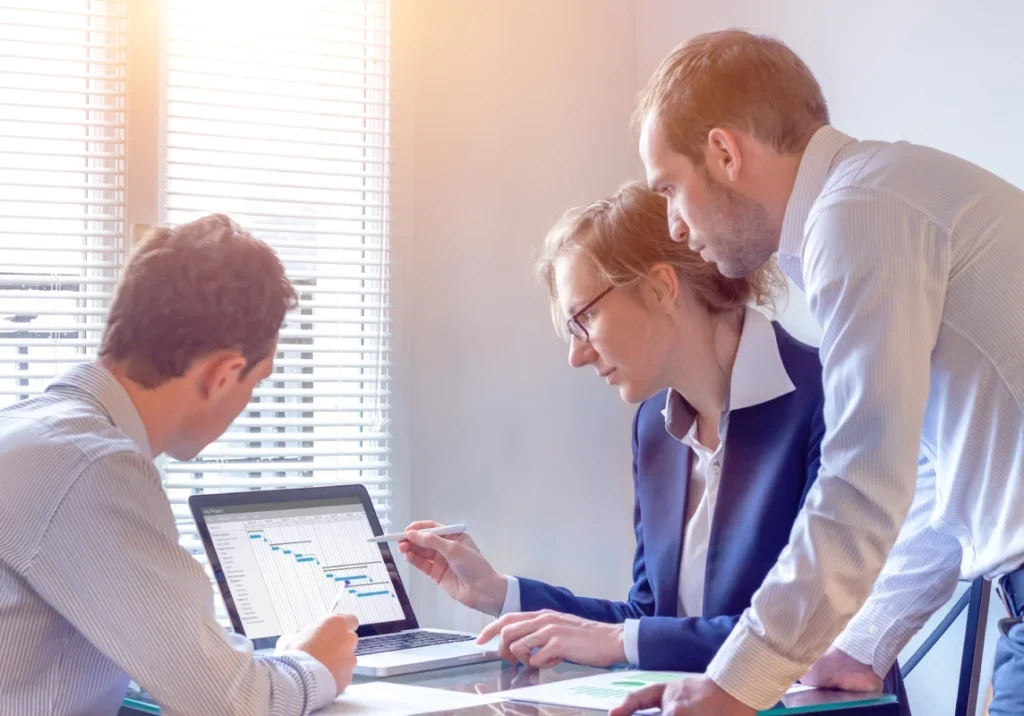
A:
(913, 264)
(94, 587)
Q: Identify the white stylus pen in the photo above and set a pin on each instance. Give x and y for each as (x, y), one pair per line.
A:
(445, 531)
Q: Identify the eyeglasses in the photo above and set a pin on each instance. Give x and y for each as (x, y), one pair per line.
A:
(576, 327)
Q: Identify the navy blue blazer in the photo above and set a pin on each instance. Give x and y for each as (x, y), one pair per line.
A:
(770, 460)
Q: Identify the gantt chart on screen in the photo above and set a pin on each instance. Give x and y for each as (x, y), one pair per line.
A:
(287, 563)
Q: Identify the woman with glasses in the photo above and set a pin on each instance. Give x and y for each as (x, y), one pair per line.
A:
(725, 446)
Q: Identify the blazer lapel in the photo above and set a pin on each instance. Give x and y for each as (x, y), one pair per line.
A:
(738, 505)
(666, 484)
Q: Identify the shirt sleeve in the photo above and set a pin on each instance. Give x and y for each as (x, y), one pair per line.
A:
(631, 641)
(919, 577)
(512, 600)
(875, 271)
(109, 562)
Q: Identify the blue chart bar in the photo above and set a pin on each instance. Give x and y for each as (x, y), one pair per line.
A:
(319, 562)
(300, 557)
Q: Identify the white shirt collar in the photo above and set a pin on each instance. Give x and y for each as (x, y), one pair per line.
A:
(758, 375)
(690, 440)
(101, 387)
(815, 165)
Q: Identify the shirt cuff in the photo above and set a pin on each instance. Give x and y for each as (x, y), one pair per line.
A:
(631, 641)
(325, 688)
(240, 642)
(874, 638)
(750, 671)
(512, 601)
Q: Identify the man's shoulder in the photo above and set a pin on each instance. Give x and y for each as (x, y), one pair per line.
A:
(46, 445)
(901, 173)
(863, 165)
(56, 424)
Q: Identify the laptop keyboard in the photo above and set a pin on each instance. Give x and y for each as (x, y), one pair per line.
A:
(405, 640)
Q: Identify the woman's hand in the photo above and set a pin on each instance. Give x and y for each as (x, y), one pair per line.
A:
(456, 565)
(543, 639)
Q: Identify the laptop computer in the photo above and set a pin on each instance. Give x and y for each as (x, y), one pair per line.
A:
(283, 558)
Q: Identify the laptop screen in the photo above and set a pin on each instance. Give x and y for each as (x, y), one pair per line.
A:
(286, 564)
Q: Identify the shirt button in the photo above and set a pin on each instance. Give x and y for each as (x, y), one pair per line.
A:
(716, 467)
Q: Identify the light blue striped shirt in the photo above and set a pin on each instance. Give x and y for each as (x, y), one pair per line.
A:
(94, 587)
(913, 263)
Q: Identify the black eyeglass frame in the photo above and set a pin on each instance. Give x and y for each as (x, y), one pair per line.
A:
(576, 328)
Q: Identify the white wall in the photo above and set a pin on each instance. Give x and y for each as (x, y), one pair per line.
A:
(944, 73)
(507, 111)
(520, 109)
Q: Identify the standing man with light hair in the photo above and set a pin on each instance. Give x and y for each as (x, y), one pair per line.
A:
(94, 587)
(913, 265)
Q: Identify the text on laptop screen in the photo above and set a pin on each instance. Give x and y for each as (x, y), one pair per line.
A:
(287, 563)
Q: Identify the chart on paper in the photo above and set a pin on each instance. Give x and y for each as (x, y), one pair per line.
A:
(602, 691)
(287, 568)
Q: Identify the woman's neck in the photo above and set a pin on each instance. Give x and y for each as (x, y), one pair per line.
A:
(706, 387)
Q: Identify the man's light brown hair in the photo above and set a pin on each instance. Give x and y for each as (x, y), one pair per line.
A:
(734, 80)
(192, 290)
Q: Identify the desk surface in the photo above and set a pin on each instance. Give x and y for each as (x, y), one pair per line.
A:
(500, 676)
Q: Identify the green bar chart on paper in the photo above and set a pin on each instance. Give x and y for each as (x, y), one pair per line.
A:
(627, 684)
(633, 680)
(601, 691)
(606, 691)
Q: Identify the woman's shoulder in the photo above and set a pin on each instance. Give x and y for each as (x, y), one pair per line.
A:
(801, 361)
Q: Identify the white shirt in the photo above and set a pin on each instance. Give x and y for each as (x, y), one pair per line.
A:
(913, 264)
(94, 586)
(758, 375)
(705, 470)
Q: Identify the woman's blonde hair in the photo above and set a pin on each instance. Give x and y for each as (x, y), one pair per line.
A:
(626, 235)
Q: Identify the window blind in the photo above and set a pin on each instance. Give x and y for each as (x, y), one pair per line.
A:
(62, 98)
(284, 127)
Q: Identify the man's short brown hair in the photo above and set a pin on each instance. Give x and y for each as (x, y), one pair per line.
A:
(734, 80)
(192, 290)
